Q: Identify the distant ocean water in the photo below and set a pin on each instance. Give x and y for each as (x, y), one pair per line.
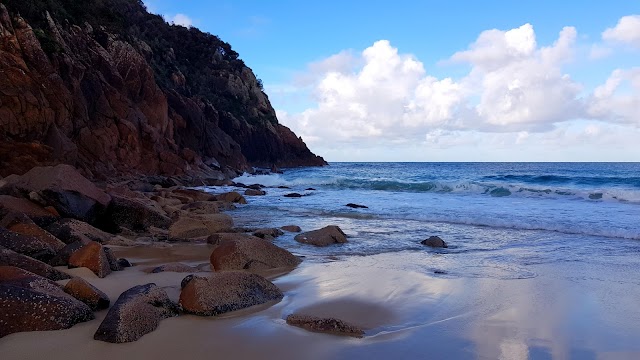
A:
(502, 216)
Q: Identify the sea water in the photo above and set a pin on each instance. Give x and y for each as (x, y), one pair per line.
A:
(551, 250)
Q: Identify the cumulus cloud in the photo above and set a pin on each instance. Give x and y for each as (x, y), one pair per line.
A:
(618, 99)
(626, 31)
(381, 93)
(182, 20)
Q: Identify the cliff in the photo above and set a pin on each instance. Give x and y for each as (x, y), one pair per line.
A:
(111, 89)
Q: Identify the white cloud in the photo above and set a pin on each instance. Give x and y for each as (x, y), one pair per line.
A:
(599, 52)
(382, 94)
(618, 99)
(182, 20)
(627, 31)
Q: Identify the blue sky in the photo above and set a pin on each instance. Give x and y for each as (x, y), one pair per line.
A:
(441, 81)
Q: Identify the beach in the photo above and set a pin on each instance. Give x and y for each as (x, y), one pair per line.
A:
(494, 293)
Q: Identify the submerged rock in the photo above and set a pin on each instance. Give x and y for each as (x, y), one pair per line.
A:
(232, 197)
(323, 237)
(138, 311)
(29, 302)
(356, 206)
(435, 242)
(245, 252)
(87, 293)
(293, 195)
(253, 192)
(324, 325)
(268, 233)
(226, 291)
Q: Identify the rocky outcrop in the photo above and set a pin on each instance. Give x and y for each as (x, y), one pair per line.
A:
(114, 89)
(37, 213)
(134, 214)
(434, 242)
(71, 230)
(138, 311)
(87, 293)
(232, 197)
(324, 325)
(29, 302)
(226, 291)
(323, 237)
(245, 252)
(26, 245)
(291, 228)
(268, 233)
(23, 225)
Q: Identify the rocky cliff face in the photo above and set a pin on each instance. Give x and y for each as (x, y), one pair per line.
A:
(111, 89)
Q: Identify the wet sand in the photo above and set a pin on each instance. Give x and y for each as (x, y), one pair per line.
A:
(406, 313)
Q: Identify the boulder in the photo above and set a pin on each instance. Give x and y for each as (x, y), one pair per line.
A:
(246, 252)
(435, 242)
(87, 293)
(268, 233)
(232, 197)
(11, 204)
(291, 228)
(62, 257)
(12, 258)
(202, 207)
(226, 291)
(322, 237)
(111, 259)
(195, 195)
(72, 230)
(174, 267)
(138, 311)
(32, 303)
(93, 257)
(253, 192)
(64, 188)
(324, 325)
(195, 226)
(21, 224)
(26, 245)
(134, 214)
(293, 195)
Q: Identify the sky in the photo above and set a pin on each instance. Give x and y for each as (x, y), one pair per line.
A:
(441, 80)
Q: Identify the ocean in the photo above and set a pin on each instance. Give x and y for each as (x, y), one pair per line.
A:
(552, 250)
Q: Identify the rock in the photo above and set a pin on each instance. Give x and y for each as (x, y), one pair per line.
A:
(87, 293)
(435, 242)
(10, 204)
(255, 186)
(195, 195)
(322, 237)
(283, 187)
(64, 188)
(356, 206)
(203, 207)
(199, 226)
(21, 224)
(26, 245)
(293, 195)
(93, 257)
(111, 259)
(12, 258)
(173, 267)
(245, 252)
(123, 263)
(275, 170)
(138, 311)
(134, 214)
(324, 325)
(62, 257)
(268, 232)
(232, 197)
(252, 192)
(226, 291)
(310, 189)
(71, 230)
(32, 303)
(291, 228)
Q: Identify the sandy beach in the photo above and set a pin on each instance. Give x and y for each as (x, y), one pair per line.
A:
(406, 313)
